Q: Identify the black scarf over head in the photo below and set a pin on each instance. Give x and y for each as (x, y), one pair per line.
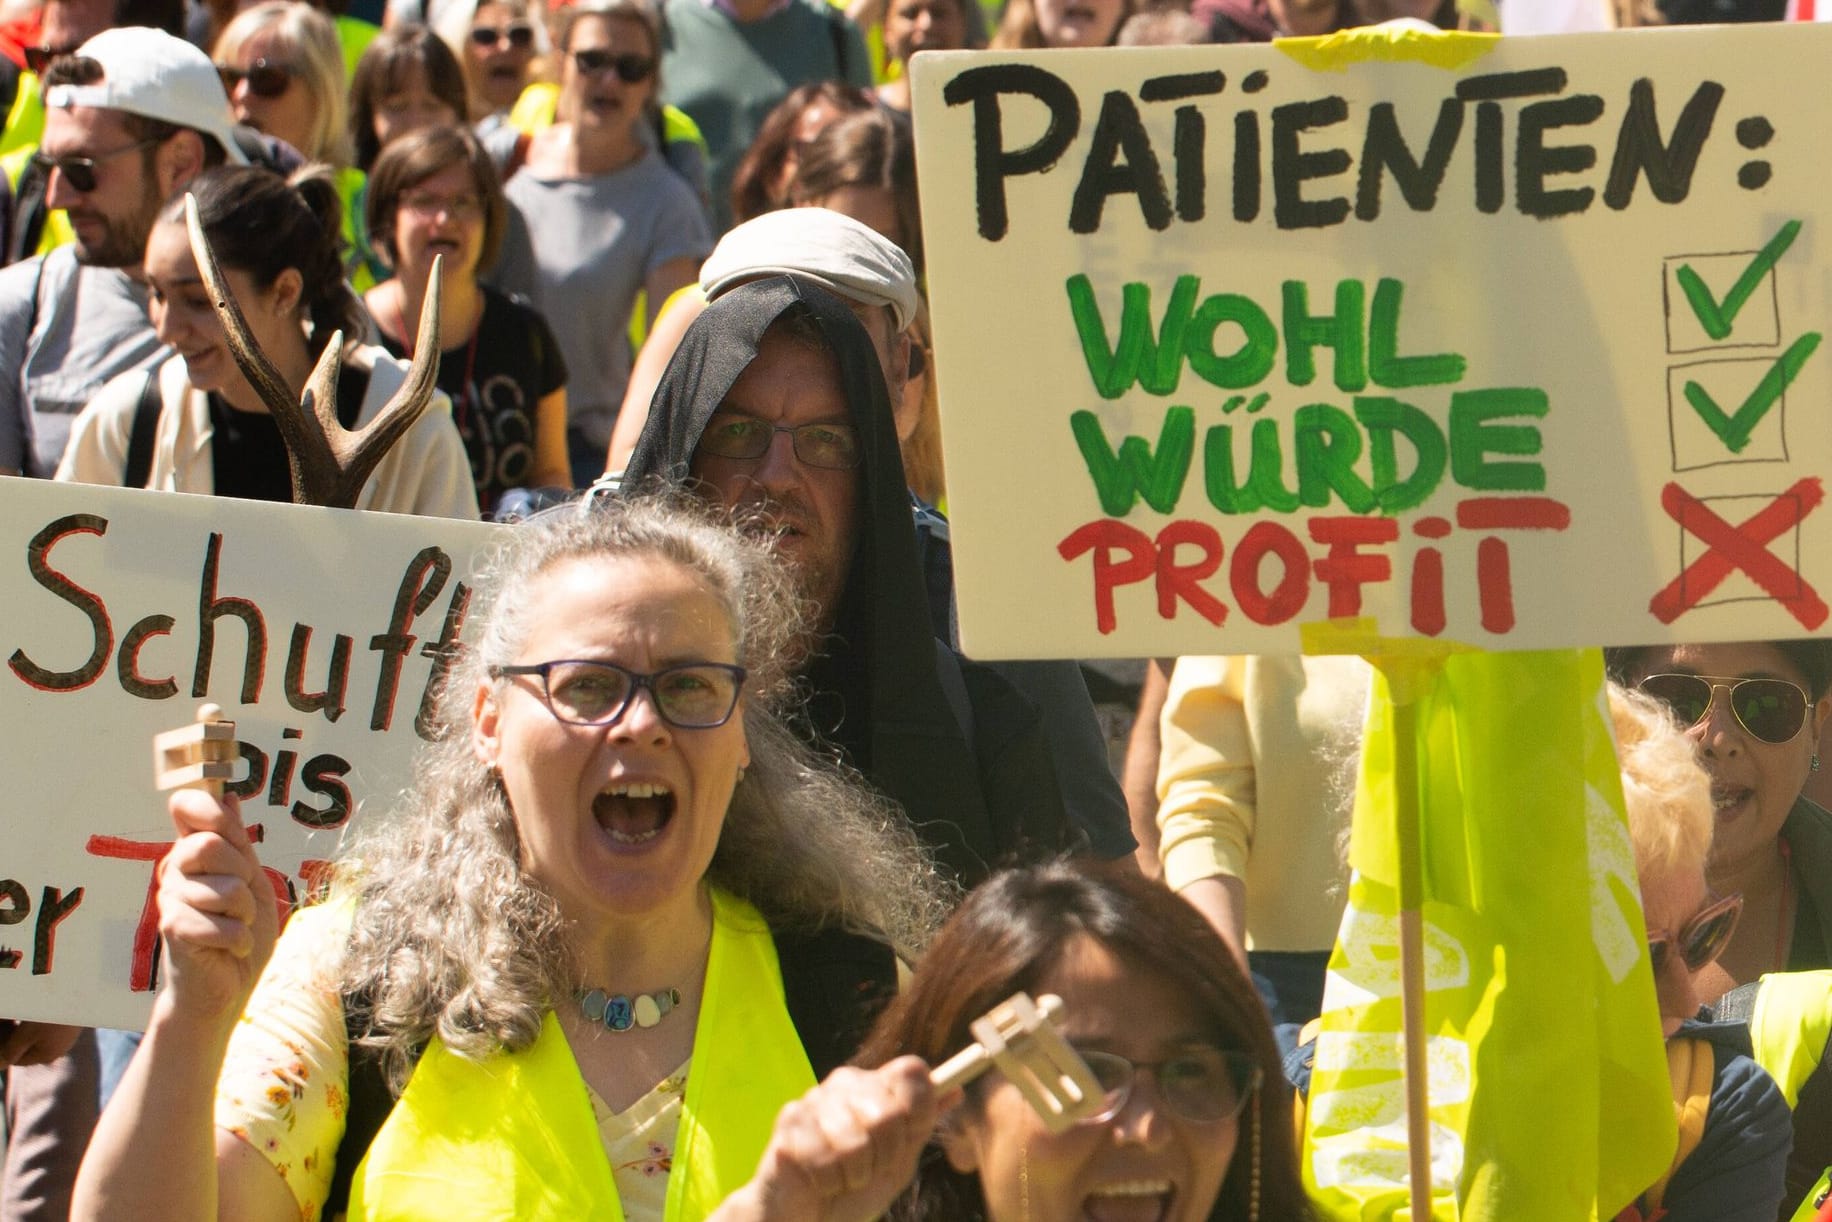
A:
(877, 689)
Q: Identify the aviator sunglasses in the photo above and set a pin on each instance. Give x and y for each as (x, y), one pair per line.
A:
(79, 172)
(696, 696)
(628, 65)
(1701, 939)
(266, 79)
(1772, 710)
(520, 35)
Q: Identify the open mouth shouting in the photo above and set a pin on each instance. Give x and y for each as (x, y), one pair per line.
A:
(1131, 1201)
(633, 813)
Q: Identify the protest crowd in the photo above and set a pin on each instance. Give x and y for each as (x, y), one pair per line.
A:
(716, 819)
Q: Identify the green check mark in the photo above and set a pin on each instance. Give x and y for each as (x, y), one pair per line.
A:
(1734, 428)
(1717, 317)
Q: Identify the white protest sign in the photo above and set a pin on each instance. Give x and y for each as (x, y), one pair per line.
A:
(319, 631)
(1517, 344)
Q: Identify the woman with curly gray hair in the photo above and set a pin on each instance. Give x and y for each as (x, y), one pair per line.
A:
(622, 918)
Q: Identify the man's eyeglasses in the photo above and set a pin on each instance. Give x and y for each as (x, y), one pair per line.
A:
(39, 58)
(697, 696)
(1773, 710)
(519, 35)
(1701, 939)
(428, 205)
(735, 435)
(266, 79)
(79, 172)
(628, 65)
(1203, 1084)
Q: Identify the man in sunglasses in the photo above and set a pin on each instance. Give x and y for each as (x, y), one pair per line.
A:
(775, 405)
(129, 121)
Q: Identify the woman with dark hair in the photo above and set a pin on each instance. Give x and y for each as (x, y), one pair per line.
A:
(761, 182)
(1755, 710)
(1196, 1125)
(407, 79)
(911, 26)
(864, 166)
(435, 192)
(212, 432)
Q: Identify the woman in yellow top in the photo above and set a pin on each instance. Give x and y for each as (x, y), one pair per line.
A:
(566, 946)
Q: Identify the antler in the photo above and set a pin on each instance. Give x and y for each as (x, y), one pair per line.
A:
(330, 464)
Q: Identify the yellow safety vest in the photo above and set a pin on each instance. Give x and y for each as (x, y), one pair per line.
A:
(1789, 1027)
(513, 1137)
(25, 122)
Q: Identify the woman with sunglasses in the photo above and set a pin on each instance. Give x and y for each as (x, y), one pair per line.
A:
(1734, 1122)
(1755, 709)
(605, 939)
(496, 41)
(1195, 1126)
(283, 70)
(606, 218)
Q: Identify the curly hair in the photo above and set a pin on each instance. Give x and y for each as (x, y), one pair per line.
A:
(452, 938)
(1665, 789)
(1011, 934)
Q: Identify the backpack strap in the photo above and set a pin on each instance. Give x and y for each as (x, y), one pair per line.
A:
(140, 440)
(834, 982)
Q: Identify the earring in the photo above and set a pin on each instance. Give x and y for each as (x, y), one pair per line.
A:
(1815, 761)
(1253, 1184)
(741, 773)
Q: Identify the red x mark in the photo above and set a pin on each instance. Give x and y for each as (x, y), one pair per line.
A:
(1743, 547)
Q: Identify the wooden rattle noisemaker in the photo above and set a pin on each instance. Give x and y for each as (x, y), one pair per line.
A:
(200, 756)
(1019, 1038)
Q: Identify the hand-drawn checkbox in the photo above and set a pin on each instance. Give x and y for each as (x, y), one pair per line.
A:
(1727, 417)
(1757, 323)
(1774, 555)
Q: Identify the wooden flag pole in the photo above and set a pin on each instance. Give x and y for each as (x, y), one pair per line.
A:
(1408, 677)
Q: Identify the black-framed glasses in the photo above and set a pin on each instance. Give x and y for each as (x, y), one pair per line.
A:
(519, 35)
(1701, 939)
(834, 445)
(39, 58)
(1773, 710)
(628, 65)
(694, 696)
(79, 172)
(1202, 1084)
(266, 78)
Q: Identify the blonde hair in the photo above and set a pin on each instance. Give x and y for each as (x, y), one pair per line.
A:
(1665, 788)
(307, 37)
(451, 938)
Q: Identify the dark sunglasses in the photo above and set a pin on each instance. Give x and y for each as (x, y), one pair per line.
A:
(628, 65)
(735, 435)
(39, 58)
(79, 172)
(697, 696)
(1701, 939)
(265, 78)
(1772, 710)
(520, 35)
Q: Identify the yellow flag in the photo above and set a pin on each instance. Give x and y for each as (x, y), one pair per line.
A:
(1549, 1098)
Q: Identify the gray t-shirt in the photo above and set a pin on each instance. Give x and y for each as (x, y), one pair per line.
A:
(65, 329)
(592, 242)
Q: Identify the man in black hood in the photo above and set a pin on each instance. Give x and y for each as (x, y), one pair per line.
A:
(775, 402)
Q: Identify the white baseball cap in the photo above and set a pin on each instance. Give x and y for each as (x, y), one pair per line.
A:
(830, 248)
(151, 73)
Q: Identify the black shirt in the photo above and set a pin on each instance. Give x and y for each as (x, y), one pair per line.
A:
(247, 454)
